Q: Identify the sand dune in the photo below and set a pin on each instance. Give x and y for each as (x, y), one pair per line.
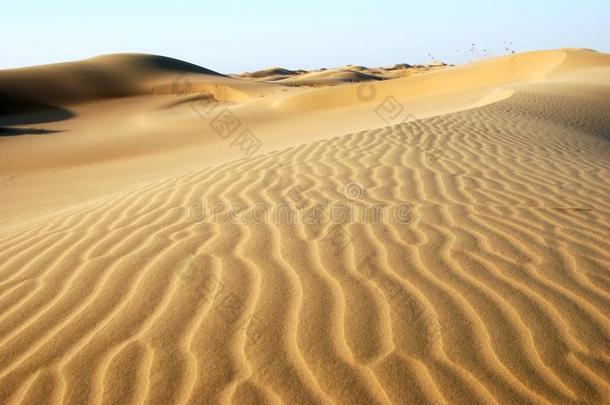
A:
(458, 253)
(336, 76)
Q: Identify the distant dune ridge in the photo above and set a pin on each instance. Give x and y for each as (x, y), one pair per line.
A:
(92, 79)
(409, 234)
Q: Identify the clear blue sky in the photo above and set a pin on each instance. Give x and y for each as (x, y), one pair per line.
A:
(235, 36)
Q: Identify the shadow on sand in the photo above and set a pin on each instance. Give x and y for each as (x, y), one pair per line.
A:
(16, 131)
(16, 112)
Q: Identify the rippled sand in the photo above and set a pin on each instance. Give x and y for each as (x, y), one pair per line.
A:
(144, 257)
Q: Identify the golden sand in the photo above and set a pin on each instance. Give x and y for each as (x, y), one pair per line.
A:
(135, 267)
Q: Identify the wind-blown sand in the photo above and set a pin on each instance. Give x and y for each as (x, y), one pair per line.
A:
(134, 267)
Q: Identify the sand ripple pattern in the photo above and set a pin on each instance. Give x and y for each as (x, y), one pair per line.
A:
(497, 290)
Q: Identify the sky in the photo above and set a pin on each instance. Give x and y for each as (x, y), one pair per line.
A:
(237, 36)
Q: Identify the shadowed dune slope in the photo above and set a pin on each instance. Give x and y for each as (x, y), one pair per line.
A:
(105, 77)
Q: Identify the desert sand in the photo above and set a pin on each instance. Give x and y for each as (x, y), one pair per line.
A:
(142, 260)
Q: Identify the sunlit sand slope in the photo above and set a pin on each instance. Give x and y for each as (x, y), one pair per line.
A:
(178, 277)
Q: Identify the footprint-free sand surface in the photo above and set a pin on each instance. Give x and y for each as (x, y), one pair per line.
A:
(414, 235)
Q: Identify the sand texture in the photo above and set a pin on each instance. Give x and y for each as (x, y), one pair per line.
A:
(157, 242)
